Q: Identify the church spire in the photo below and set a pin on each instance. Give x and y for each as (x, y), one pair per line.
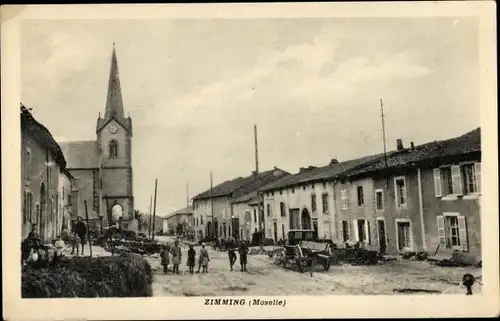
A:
(114, 103)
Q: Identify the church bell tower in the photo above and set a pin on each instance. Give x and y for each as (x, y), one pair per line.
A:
(114, 140)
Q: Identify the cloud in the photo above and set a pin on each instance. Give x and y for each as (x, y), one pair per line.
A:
(304, 72)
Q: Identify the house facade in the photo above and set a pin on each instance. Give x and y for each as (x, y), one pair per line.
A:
(228, 208)
(427, 197)
(310, 200)
(178, 222)
(43, 176)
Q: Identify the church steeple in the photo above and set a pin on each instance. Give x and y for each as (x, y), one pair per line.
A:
(114, 103)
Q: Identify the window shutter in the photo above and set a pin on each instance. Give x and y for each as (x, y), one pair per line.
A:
(477, 172)
(457, 180)
(462, 233)
(438, 190)
(340, 233)
(356, 231)
(367, 232)
(441, 231)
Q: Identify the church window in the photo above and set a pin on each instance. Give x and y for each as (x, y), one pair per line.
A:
(113, 149)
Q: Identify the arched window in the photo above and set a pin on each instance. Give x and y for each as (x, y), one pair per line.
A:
(113, 149)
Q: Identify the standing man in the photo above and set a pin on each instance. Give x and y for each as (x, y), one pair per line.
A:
(81, 230)
(243, 250)
(176, 256)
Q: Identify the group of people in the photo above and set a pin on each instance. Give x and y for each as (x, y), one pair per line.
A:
(203, 258)
(176, 253)
(31, 246)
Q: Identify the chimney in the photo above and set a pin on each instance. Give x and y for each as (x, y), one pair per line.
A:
(399, 144)
(412, 146)
(334, 161)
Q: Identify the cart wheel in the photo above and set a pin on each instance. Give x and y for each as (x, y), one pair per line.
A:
(326, 265)
(300, 266)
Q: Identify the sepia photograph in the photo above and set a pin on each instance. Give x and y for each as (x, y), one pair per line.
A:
(244, 160)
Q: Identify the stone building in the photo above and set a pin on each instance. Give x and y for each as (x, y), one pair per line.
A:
(103, 167)
(426, 197)
(46, 183)
(179, 222)
(224, 222)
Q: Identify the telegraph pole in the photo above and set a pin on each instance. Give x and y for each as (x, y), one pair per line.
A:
(154, 211)
(211, 206)
(150, 215)
(383, 135)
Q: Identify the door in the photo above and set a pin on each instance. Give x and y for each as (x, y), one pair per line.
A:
(275, 232)
(382, 240)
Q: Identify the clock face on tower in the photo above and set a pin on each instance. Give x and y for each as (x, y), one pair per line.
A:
(113, 129)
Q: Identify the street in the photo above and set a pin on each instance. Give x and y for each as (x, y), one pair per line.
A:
(265, 278)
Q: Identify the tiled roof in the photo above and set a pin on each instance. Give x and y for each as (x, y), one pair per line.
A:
(242, 185)
(246, 197)
(321, 173)
(184, 211)
(81, 154)
(42, 135)
(465, 144)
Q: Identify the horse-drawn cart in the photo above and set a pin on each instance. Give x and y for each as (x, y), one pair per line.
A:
(295, 253)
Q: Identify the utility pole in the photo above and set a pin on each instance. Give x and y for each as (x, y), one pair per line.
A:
(150, 215)
(211, 206)
(154, 211)
(256, 150)
(383, 135)
(261, 198)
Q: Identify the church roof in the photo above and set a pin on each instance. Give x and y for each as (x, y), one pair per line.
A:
(81, 154)
(114, 102)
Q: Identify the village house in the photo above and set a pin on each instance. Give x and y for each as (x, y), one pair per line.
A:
(426, 197)
(46, 183)
(306, 200)
(225, 222)
(179, 222)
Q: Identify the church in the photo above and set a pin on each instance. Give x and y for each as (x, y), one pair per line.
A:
(102, 168)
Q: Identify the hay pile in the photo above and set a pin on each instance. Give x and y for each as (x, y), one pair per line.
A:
(84, 277)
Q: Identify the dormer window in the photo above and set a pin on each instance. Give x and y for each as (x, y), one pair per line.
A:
(113, 149)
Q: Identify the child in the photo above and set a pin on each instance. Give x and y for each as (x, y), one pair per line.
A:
(232, 257)
(75, 242)
(59, 246)
(204, 259)
(165, 258)
(191, 258)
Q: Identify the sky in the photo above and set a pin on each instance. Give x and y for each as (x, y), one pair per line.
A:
(195, 89)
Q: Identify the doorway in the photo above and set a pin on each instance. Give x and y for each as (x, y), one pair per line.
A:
(382, 239)
(306, 220)
(275, 225)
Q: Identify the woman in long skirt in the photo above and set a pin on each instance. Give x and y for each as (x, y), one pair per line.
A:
(191, 259)
(204, 258)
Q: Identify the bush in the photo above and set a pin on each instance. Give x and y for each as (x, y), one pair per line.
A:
(84, 277)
